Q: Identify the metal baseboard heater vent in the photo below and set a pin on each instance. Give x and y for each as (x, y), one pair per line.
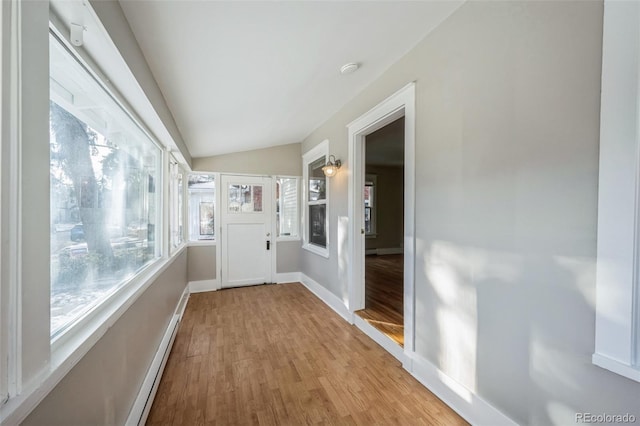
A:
(142, 405)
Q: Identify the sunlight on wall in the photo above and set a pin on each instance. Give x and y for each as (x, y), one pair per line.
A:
(343, 253)
(560, 414)
(456, 314)
(583, 269)
(551, 368)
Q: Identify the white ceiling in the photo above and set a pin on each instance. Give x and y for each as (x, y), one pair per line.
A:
(241, 75)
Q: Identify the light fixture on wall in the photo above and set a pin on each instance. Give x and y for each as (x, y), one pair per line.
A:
(331, 168)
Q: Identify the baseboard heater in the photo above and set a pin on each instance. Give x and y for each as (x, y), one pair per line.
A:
(141, 407)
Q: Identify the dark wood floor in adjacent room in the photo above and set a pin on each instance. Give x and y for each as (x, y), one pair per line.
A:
(277, 355)
(384, 295)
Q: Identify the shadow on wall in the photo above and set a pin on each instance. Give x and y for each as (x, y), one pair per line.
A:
(517, 328)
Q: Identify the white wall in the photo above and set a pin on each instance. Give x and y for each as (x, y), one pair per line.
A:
(284, 160)
(506, 202)
(288, 256)
(202, 263)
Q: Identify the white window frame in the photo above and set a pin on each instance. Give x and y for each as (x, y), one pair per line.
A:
(216, 210)
(617, 340)
(175, 218)
(319, 151)
(297, 237)
(5, 106)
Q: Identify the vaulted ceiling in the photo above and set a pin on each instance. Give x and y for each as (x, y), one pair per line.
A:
(241, 75)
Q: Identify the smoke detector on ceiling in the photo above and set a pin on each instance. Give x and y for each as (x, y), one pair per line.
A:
(349, 68)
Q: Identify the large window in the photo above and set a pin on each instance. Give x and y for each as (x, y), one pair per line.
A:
(287, 218)
(104, 182)
(316, 200)
(175, 204)
(202, 199)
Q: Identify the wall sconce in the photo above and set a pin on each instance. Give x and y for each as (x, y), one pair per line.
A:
(331, 168)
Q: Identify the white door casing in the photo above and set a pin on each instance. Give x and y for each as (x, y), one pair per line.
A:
(247, 241)
(401, 103)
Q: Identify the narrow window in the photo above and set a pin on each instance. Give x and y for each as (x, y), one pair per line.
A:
(202, 194)
(287, 218)
(316, 233)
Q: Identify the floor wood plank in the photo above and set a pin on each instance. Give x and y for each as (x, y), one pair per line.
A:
(277, 355)
(384, 295)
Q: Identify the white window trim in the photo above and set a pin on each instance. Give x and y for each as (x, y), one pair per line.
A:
(320, 150)
(216, 209)
(298, 237)
(617, 340)
(173, 205)
(9, 172)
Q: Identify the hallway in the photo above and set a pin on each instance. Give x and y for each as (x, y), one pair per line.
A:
(275, 354)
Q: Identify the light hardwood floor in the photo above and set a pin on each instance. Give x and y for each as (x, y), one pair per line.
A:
(384, 295)
(277, 355)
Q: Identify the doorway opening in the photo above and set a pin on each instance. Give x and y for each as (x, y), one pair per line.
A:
(384, 230)
(399, 106)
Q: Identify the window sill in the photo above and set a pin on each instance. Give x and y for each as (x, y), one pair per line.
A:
(174, 251)
(628, 371)
(70, 347)
(316, 250)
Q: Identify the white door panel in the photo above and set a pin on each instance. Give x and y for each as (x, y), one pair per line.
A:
(246, 228)
(247, 244)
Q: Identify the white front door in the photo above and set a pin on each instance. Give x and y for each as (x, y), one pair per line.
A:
(246, 218)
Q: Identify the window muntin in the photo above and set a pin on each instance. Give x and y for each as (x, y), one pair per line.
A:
(287, 222)
(105, 174)
(202, 198)
(316, 200)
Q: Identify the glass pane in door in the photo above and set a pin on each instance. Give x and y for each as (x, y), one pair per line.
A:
(245, 198)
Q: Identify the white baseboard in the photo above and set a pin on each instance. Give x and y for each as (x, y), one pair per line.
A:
(330, 299)
(204, 285)
(380, 338)
(142, 405)
(463, 401)
(288, 277)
